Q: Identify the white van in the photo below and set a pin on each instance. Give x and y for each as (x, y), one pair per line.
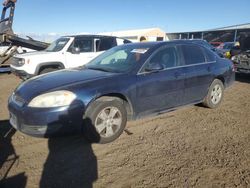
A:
(65, 52)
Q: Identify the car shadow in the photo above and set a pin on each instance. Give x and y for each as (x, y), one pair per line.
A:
(71, 162)
(9, 158)
(240, 77)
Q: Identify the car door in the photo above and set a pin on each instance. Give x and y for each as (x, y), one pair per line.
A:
(197, 71)
(163, 89)
(80, 52)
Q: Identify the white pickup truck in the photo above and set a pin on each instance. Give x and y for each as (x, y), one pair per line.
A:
(65, 52)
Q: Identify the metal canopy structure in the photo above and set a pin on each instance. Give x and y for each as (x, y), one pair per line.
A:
(223, 34)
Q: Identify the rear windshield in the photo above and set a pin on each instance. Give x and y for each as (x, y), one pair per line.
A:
(193, 54)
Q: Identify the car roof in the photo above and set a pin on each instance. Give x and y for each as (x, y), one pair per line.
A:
(159, 43)
(90, 35)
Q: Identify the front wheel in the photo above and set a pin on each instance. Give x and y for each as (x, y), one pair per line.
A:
(47, 70)
(215, 94)
(104, 120)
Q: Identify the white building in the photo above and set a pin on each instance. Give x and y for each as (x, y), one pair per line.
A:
(150, 34)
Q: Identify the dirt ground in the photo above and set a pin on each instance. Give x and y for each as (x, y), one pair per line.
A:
(190, 147)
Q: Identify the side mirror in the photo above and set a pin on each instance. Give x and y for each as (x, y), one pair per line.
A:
(75, 50)
(154, 67)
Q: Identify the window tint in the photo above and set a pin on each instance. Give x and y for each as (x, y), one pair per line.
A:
(209, 55)
(84, 44)
(104, 44)
(166, 57)
(193, 54)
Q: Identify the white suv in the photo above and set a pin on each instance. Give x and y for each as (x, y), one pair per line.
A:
(65, 52)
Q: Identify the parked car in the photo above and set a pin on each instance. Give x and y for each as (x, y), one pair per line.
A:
(65, 52)
(215, 44)
(226, 47)
(125, 83)
(241, 55)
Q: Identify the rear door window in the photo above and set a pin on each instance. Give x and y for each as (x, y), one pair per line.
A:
(193, 54)
(210, 56)
(103, 44)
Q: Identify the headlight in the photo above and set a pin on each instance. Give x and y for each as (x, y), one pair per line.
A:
(21, 62)
(18, 62)
(53, 99)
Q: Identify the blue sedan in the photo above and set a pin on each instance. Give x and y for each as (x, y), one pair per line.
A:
(124, 83)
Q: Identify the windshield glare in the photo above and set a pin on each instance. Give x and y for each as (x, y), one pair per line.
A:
(118, 59)
(57, 45)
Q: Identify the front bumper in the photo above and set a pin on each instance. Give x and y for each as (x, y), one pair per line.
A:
(21, 74)
(46, 122)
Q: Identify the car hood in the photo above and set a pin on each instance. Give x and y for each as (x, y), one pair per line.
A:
(58, 80)
(33, 54)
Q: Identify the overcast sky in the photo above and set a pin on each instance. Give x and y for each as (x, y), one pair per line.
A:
(94, 16)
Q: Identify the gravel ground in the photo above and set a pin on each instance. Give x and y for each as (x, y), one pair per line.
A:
(191, 147)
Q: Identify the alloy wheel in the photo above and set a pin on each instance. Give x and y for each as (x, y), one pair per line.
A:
(108, 121)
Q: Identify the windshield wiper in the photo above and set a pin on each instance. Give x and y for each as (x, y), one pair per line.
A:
(99, 68)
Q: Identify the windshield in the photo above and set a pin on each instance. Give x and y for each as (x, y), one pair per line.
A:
(57, 45)
(118, 59)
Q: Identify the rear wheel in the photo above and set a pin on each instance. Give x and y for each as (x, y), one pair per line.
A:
(215, 94)
(105, 120)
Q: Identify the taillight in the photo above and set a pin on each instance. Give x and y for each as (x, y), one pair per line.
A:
(233, 67)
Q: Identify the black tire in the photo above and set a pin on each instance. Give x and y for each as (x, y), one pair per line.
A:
(92, 118)
(215, 94)
(47, 70)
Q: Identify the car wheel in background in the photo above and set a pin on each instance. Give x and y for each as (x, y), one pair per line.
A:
(104, 120)
(215, 94)
(47, 70)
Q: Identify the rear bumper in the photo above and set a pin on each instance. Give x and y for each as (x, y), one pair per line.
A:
(243, 67)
